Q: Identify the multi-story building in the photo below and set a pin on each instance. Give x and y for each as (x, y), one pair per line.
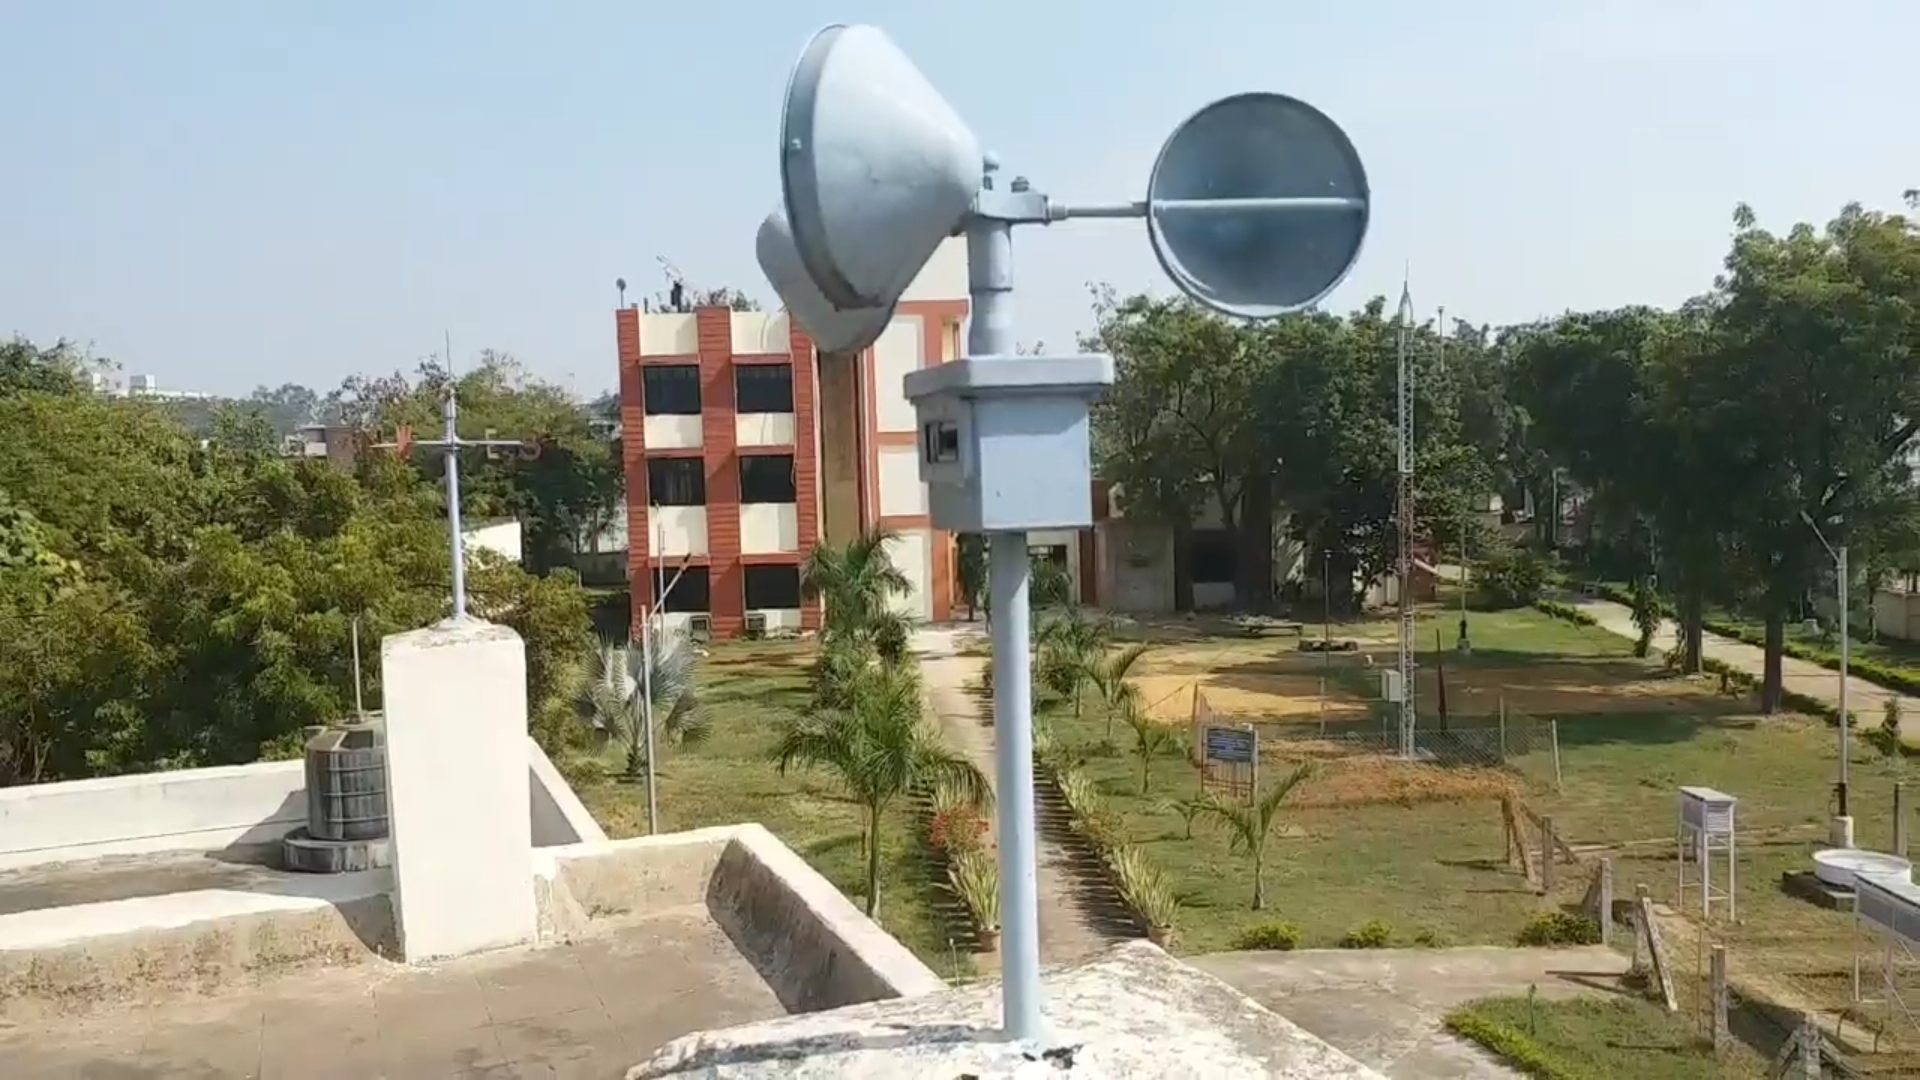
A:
(744, 448)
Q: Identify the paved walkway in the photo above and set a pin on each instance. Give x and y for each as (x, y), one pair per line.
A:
(1071, 926)
(1385, 1006)
(1865, 700)
(586, 1011)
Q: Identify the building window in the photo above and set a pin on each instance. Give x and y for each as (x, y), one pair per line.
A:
(767, 478)
(763, 388)
(687, 594)
(670, 389)
(1215, 556)
(676, 481)
(775, 586)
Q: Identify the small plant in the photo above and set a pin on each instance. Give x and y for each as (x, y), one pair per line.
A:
(1189, 810)
(1426, 939)
(1646, 615)
(1890, 726)
(1277, 936)
(1145, 889)
(973, 877)
(1372, 934)
(958, 830)
(1560, 928)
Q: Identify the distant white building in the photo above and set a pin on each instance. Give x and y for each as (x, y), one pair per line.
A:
(142, 386)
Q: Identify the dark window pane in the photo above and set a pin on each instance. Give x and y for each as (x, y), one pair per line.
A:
(676, 482)
(763, 388)
(773, 587)
(1214, 556)
(670, 389)
(767, 478)
(686, 595)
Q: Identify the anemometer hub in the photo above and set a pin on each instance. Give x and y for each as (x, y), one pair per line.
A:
(1256, 206)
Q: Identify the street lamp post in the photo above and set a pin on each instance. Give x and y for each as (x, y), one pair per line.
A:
(1842, 833)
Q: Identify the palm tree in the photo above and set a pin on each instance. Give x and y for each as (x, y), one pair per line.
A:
(855, 583)
(1248, 826)
(1110, 680)
(620, 680)
(1150, 739)
(879, 747)
(1069, 651)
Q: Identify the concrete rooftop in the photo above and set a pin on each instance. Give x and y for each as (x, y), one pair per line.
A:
(587, 1010)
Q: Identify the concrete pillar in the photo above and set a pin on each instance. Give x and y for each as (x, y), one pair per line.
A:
(456, 716)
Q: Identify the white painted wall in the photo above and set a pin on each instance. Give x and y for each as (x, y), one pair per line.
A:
(455, 697)
(501, 538)
(901, 492)
(912, 552)
(673, 433)
(763, 429)
(187, 810)
(769, 528)
(1136, 566)
(668, 334)
(678, 530)
(944, 277)
(898, 352)
(212, 809)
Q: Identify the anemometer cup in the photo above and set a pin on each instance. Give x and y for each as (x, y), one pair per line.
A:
(832, 329)
(876, 168)
(1258, 205)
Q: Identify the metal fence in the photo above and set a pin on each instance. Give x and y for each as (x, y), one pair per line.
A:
(1526, 745)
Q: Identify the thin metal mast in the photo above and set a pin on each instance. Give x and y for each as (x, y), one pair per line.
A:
(1404, 513)
(450, 444)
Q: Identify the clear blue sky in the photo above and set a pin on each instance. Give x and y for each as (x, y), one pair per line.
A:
(225, 193)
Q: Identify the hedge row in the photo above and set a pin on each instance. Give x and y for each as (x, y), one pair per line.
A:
(1510, 1044)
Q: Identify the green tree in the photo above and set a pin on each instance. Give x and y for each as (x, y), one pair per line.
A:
(626, 680)
(971, 551)
(880, 748)
(1249, 825)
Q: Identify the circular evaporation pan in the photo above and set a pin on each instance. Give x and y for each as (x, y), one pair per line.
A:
(1837, 867)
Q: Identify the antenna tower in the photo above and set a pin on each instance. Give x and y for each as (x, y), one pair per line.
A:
(1404, 514)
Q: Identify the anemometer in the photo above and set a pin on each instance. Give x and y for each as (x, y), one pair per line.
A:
(1256, 207)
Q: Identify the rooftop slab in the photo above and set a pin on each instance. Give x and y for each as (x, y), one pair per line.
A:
(132, 877)
(587, 1009)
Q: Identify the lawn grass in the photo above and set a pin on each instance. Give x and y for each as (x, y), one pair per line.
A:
(730, 778)
(1596, 1038)
(1435, 869)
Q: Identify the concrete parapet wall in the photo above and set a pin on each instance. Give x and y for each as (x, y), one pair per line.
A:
(240, 808)
(71, 959)
(814, 948)
(192, 809)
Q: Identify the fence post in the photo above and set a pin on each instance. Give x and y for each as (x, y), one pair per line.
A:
(1546, 855)
(1503, 727)
(1810, 1055)
(1606, 901)
(1553, 733)
(1722, 999)
(1900, 818)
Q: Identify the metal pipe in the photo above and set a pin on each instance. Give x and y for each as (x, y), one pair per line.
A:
(990, 288)
(451, 413)
(1846, 720)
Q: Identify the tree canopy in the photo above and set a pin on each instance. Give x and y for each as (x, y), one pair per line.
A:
(1698, 443)
(167, 601)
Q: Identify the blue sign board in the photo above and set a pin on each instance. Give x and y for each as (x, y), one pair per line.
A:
(1231, 745)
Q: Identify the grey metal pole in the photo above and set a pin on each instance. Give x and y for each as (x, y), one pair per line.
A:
(646, 685)
(1846, 721)
(452, 451)
(989, 287)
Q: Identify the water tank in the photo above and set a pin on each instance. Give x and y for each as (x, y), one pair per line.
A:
(346, 801)
(347, 783)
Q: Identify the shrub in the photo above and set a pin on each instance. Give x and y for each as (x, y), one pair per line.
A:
(1372, 934)
(1427, 939)
(1278, 936)
(974, 877)
(1565, 612)
(1514, 1046)
(1511, 577)
(1560, 928)
(957, 830)
(1890, 727)
(1143, 886)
